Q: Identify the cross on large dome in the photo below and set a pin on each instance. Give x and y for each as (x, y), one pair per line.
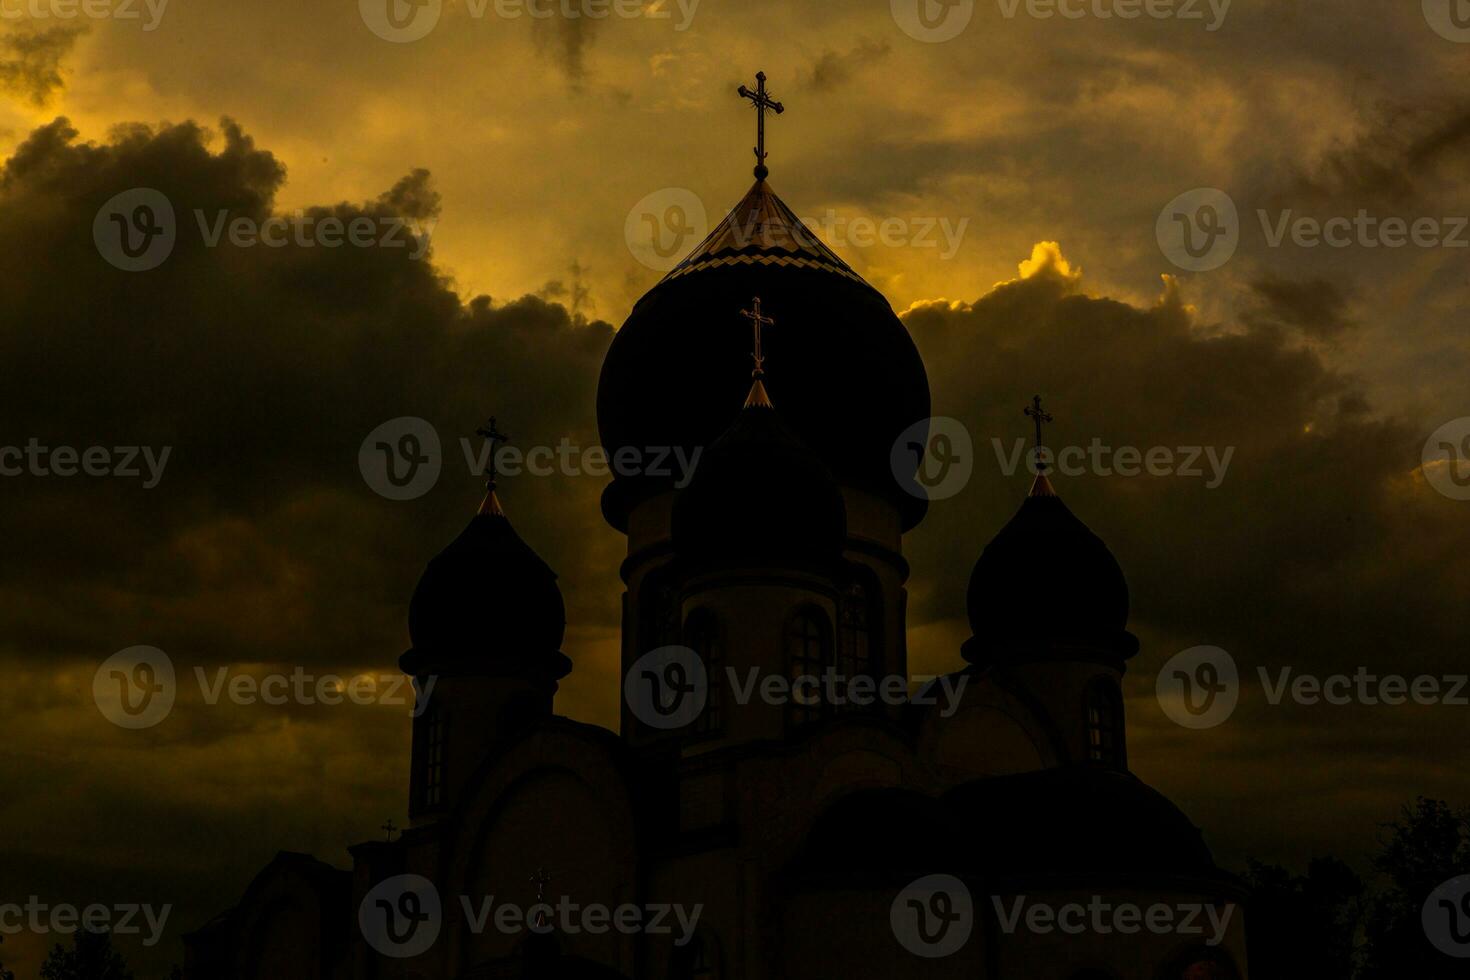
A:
(844, 371)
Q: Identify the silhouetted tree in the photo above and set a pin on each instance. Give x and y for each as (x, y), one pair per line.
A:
(1303, 925)
(91, 957)
(1428, 845)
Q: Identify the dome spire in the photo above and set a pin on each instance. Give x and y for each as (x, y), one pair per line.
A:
(491, 504)
(1041, 486)
(758, 397)
(763, 102)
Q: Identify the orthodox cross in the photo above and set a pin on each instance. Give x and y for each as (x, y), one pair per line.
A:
(762, 102)
(1037, 415)
(388, 828)
(757, 320)
(491, 434)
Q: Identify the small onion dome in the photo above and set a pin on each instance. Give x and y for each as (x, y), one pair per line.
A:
(487, 604)
(1046, 580)
(760, 497)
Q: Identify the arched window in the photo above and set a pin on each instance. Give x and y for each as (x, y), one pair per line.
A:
(698, 959)
(1105, 725)
(430, 745)
(701, 634)
(808, 658)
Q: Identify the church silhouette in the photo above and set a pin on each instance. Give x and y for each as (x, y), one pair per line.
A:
(744, 824)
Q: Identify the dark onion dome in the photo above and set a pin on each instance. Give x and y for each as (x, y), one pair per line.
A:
(487, 604)
(1044, 580)
(845, 373)
(1076, 820)
(760, 497)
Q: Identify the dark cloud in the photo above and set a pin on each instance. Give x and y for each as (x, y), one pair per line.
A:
(30, 62)
(1316, 307)
(261, 548)
(833, 69)
(1405, 152)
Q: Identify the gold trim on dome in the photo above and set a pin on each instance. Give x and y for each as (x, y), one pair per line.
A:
(762, 230)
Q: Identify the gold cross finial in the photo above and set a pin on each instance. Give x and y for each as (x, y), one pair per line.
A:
(763, 102)
(492, 434)
(1041, 487)
(757, 397)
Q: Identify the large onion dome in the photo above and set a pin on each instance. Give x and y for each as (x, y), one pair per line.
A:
(1046, 581)
(847, 375)
(487, 604)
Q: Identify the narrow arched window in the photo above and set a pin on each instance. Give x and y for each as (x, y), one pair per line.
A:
(702, 635)
(698, 959)
(1104, 725)
(431, 750)
(808, 658)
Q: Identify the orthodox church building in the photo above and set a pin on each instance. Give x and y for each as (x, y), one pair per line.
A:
(988, 829)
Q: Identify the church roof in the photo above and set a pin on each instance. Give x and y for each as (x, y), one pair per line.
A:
(762, 230)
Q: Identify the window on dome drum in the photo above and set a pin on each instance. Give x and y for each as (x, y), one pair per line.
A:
(701, 634)
(1104, 725)
(431, 783)
(808, 655)
(856, 656)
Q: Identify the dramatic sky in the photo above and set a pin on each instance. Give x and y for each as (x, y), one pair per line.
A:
(529, 149)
